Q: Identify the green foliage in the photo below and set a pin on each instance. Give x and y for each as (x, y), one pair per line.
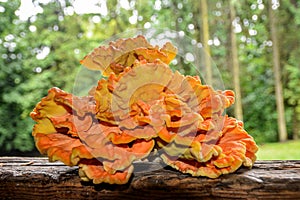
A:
(44, 51)
(40, 54)
(13, 118)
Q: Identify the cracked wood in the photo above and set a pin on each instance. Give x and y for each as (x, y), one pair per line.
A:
(36, 178)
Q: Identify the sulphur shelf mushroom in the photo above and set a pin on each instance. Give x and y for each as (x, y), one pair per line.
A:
(141, 106)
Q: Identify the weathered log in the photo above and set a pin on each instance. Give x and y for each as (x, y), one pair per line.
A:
(36, 178)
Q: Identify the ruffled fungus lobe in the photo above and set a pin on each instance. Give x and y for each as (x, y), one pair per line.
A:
(63, 135)
(124, 52)
(141, 106)
(234, 147)
(59, 119)
(93, 170)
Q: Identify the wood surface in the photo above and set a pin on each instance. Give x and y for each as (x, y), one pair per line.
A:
(36, 178)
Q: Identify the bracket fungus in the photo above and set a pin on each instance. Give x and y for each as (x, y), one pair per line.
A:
(141, 106)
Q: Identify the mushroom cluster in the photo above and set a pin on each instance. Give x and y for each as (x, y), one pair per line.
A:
(141, 106)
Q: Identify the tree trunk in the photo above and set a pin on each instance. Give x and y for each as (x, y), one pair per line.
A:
(238, 109)
(36, 178)
(277, 76)
(205, 38)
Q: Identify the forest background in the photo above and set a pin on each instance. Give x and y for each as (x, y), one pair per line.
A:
(253, 43)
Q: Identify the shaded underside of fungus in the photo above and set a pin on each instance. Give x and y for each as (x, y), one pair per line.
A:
(141, 106)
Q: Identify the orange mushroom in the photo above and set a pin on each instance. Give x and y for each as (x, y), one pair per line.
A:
(117, 151)
(61, 111)
(141, 106)
(64, 136)
(94, 170)
(59, 119)
(233, 148)
(123, 53)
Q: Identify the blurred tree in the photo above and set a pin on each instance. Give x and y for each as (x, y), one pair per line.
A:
(290, 20)
(257, 83)
(205, 39)
(238, 110)
(277, 72)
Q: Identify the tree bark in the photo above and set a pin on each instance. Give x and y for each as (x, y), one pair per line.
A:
(238, 109)
(36, 178)
(205, 38)
(277, 76)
